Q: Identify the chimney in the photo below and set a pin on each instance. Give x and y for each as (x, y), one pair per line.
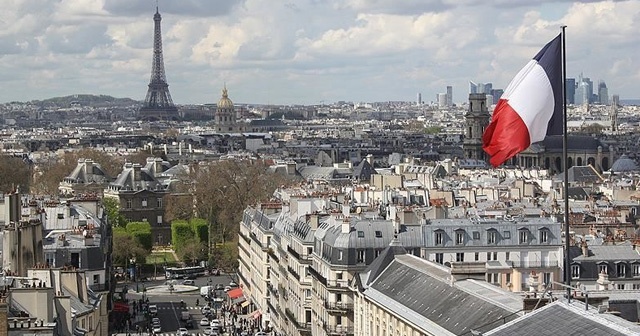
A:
(603, 281)
(346, 225)
(314, 221)
(370, 159)
(291, 168)
(585, 248)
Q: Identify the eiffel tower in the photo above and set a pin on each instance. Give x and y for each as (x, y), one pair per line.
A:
(158, 104)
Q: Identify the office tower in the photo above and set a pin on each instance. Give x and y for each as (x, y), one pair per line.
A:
(589, 84)
(571, 90)
(615, 103)
(487, 88)
(419, 99)
(582, 94)
(158, 103)
(603, 93)
(449, 95)
(489, 100)
(442, 100)
(473, 87)
(496, 93)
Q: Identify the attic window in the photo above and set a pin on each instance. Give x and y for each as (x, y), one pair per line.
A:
(360, 234)
(378, 234)
(60, 216)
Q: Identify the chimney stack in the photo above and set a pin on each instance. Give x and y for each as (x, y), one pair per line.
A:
(585, 248)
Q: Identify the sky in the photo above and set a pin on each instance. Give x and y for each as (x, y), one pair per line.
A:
(306, 51)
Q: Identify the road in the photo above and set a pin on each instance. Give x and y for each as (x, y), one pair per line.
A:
(170, 308)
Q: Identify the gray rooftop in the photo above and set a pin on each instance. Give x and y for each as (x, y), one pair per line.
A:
(562, 318)
(610, 252)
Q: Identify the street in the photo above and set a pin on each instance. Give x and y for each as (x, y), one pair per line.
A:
(169, 306)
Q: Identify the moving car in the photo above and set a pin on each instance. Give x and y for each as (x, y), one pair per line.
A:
(219, 287)
(189, 283)
(204, 321)
(183, 332)
(215, 323)
(156, 328)
(153, 310)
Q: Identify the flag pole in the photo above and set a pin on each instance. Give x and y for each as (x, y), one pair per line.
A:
(565, 190)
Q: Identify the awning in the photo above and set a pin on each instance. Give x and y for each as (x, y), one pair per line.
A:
(244, 304)
(235, 293)
(239, 300)
(121, 307)
(256, 314)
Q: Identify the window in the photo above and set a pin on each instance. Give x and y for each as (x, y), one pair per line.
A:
(496, 277)
(360, 256)
(60, 216)
(621, 269)
(378, 234)
(377, 253)
(575, 271)
(636, 286)
(488, 255)
(338, 297)
(96, 279)
(544, 236)
(144, 202)
(492, 237)
(636, 270)
(50, 259)
(546, 278)
(506, 234)
(476, 235)
(339, 275)
(129, 204)
(459, 237)
(506, 256)
(477, 256)
(507, 278)
(159, 219)
(360, 234)
(439, 238)
(523, 237)
(159, 202)
(440, 258)
(620, 286)
(339, 255)
(602, 268)
(495, 255)
(309, 250)
(460, 257)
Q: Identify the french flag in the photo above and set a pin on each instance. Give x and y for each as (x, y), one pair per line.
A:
(530, 108)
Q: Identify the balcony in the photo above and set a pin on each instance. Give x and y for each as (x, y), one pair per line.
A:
(271, 288)
(339, 307)
(273, 255)
(340, 285)
(293, 252)
(551, 263)
(244, 280)
(255, 239)
(293, 272)
(246, 239)
(337, 330)
(317, 276)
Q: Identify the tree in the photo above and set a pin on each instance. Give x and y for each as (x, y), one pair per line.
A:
(141, 232)
(112, 208)
(126, 247)
(15, 173)
(192, 250)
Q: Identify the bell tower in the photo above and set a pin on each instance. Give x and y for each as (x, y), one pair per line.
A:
(475, 121)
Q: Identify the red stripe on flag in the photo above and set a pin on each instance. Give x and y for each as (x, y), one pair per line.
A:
(506, 135)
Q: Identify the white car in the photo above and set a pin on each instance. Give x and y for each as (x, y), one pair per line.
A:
(215, 323)
(157, 328)
(153, 310)
(204, 321)
(183, 332)
(260, 333)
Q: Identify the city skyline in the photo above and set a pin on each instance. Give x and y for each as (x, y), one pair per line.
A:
(305, 52)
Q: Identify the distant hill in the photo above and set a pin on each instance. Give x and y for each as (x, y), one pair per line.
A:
(630, 102)
(85, 100)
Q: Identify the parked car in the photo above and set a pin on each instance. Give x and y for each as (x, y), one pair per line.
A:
(189, 283)
(183, 332)
(156, 328)
(233, 284)
(204, 321)
(219, 287)
(215, 323)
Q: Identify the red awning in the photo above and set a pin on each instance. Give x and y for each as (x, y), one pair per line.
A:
(121, 307)
(235, 293)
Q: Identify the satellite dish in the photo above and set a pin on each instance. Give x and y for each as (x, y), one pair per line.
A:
(358, 210)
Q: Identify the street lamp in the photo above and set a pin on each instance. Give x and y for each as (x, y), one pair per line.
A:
(133, 266)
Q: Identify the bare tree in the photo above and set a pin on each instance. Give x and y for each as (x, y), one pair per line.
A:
(15, 174)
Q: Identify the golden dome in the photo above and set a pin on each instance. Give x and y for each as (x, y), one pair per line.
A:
(225, 102)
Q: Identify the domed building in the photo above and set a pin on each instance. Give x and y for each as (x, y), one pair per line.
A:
(624, 165)
(225, 115)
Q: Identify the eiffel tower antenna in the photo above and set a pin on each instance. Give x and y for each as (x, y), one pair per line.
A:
(158, 103)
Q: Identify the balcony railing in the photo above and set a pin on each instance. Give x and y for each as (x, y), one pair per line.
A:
(244, 280)
(273, 255)
(337, 329)
(291, 317)
(255, 239)
(317, 276)
(338, 284)
(338, 306)
(293, 252)
(535, 263)
(245, 238)
(294, 273)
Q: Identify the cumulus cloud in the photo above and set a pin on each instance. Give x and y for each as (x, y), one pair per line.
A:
(304, 51)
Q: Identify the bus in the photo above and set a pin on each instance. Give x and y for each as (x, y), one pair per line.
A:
(184, 272)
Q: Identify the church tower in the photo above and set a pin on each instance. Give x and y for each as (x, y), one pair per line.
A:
(225, 116)
(475, 120)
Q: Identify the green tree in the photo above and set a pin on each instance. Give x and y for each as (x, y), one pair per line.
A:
(15, 174)
(125, 247)
(181, 233)
(141, 232)
(112, 207)
(192, 251)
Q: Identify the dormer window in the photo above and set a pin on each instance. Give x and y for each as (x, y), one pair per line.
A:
(544, 235)
(523, 236)
(636, 269)
(575, 271)
(621, 269)
(602, 268)
(360, 234)
(378, 234)
(492, 237)
(459, 237)
(438, 238)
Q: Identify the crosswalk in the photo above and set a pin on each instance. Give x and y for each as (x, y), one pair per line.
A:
(162, 334)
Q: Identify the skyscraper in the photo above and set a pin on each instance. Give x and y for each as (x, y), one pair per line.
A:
(473, 87)
(158, 103)
(419, 99)
(603, 93)
(571, 90)
(449, 95)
